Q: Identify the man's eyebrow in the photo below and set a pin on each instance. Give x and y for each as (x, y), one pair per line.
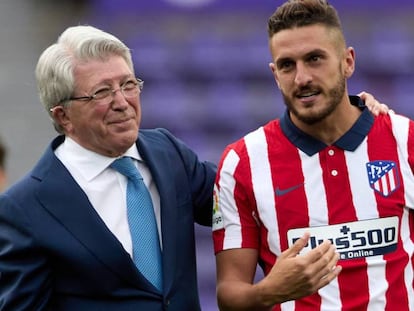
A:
(315, 51)
(282, 60)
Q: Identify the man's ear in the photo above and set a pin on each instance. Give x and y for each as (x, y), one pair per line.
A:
(60, 115)
(273, 69)
(349, 63)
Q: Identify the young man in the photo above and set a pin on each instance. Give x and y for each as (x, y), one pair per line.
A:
(327, 173)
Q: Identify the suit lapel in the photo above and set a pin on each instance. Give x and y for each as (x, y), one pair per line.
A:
(66, 201)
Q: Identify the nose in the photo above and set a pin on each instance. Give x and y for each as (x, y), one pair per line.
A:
(303, 75)
(115, 92)
(119, 100)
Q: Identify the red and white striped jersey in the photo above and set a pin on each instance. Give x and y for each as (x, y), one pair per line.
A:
(276, 182)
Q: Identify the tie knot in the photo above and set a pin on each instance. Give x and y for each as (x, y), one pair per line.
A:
(126, 166)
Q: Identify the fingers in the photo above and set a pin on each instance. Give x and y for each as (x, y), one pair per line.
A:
(294, 276)
(364, 95)
(374, 105)
(379, 108)
(320, 262)
(324, 260)
(327, 278)
(297, 246)
(325, 249)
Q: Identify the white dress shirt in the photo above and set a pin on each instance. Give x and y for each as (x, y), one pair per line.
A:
(105, 187)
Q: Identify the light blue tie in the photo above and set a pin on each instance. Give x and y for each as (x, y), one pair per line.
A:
(142, 224)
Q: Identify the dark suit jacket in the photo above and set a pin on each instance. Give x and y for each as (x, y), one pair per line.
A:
(57, 254)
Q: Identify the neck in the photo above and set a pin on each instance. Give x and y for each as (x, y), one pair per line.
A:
(334, 126)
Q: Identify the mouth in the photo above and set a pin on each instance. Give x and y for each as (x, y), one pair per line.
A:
(122, 124)
(307, 94)
(120, 120)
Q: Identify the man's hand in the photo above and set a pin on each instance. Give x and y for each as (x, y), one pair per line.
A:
(295, 276)
(374, 105)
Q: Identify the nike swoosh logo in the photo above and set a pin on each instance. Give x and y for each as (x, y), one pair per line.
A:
(280, 192)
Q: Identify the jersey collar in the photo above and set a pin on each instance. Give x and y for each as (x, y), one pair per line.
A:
(349, 141)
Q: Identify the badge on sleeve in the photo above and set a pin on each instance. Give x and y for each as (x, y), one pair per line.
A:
(217, 217)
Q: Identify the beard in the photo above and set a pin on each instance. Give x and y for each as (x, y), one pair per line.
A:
(335, 95)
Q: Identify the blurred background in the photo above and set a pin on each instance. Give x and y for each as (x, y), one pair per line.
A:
(205, 66)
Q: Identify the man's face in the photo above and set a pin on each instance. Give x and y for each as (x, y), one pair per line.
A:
(108, 127)
(310, 66)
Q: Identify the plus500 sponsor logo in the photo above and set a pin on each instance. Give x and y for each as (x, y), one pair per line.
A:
(354, 240)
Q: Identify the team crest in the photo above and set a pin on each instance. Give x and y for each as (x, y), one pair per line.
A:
(383, 177)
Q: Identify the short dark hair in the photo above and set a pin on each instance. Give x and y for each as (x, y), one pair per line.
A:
(299, 13)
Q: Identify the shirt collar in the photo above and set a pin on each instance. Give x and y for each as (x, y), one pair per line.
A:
(90, 164)
(349, 141)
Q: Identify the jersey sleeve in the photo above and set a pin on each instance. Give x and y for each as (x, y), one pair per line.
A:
(234, 224)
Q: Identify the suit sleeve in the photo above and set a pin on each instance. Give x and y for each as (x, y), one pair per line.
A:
(200, 175)
(24, 279)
